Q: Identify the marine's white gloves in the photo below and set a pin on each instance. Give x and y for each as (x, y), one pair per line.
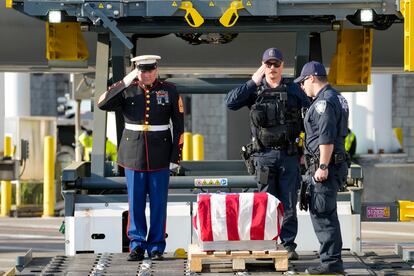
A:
(130, 77)
(173, 166)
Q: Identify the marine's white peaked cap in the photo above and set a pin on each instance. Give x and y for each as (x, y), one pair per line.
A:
(145, 59)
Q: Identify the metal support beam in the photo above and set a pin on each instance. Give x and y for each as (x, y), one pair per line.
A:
(118, 72)
(302, 51)
(99, 116)
(176, 182)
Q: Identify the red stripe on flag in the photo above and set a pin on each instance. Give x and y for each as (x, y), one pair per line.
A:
(204, 215)
(232, 215)
(258, 216)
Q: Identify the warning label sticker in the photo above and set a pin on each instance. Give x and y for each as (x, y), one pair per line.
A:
(379, 212)
(198, 182)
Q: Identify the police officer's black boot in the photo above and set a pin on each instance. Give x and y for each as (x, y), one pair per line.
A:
(320, 270)
(137, 254)
(292, 255)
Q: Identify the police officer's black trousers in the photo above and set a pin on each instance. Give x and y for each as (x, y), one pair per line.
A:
(324, 216)
(283, 182)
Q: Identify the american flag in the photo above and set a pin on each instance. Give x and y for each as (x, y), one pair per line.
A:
(238, 217)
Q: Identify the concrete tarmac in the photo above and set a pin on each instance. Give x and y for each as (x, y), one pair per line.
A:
(17, 235)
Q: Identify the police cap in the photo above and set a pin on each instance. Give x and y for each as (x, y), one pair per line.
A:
(146, 62)
(312, 68)
(272, 54)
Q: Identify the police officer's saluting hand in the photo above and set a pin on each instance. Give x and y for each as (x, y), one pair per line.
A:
(259, 74)
(149, 147)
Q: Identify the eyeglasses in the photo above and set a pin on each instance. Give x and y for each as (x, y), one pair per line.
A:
(276, 64)
(303, 81)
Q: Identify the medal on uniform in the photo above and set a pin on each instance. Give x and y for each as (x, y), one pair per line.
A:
(162, 97)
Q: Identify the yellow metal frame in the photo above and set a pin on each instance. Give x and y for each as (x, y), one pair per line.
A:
(64, 41)
(407, 10)
(351, 64)
(406, 210)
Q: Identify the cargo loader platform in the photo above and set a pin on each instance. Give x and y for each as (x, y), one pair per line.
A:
(367, 263)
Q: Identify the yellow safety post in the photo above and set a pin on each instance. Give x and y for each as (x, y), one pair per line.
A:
(198, 147)
(9, 4)
(188, 146)
(398, 132)
(49, 177)
(407, 10)
(230, 16)
(406, 210)
(6, 190)
(192, 16)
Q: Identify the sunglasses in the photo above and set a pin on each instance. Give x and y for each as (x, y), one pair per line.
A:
(303, 81)
(276, 64)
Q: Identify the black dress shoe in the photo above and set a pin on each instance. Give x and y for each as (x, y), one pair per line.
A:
(156, 256)
(318, 270)
(136, 255)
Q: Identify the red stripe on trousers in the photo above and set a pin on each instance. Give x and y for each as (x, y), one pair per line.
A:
(232, 215)
(204, 216)
(258, 216)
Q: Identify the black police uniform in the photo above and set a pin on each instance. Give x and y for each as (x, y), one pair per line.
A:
(326, 123)
(283, 176)
(146, 151)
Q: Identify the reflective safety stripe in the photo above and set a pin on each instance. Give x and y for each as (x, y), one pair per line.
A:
(146, 127)
(349, 139)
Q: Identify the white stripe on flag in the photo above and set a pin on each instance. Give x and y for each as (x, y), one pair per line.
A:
(218, 217)
(270, 231)
(245, 215)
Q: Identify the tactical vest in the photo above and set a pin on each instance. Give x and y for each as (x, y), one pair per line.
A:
(276, 125)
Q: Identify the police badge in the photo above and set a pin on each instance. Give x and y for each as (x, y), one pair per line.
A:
(320, 106)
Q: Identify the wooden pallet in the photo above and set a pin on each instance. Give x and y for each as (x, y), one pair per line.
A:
(196, 257)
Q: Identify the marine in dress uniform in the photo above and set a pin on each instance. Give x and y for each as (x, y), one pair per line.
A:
(150, 146)
(275, 121)
(325, 131)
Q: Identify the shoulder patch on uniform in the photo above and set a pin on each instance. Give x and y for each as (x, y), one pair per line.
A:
(320, 106)
(343, 102)
(180, 105)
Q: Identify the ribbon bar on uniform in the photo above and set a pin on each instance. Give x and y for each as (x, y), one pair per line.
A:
(135, 127)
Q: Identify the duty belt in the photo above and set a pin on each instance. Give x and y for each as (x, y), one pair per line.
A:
(135, 127)
(336, 158)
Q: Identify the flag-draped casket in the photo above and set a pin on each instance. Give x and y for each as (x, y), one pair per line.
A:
(238, 217)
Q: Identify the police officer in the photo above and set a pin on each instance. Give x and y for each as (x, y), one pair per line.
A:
(274, 104)
(86, 140)
(325, 130)
(350, 143)
(148, 149)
